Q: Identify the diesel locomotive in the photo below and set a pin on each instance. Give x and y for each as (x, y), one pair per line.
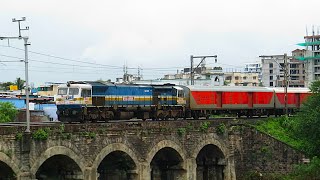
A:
(95, 101)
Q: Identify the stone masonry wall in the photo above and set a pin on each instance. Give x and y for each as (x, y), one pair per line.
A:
(261, 154)
(245, 150)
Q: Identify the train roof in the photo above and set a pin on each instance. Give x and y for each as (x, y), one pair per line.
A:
(230, 88)
(292, 90)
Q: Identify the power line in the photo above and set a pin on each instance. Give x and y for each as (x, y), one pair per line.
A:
(52, 56)
(67, 59)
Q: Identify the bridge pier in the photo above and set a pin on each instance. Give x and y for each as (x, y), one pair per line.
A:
(191, 168)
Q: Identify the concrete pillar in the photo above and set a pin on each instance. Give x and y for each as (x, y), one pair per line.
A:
(133, 174)
(25, 176)
(144, 171)
(229, 169)
(191, 165)
(90, 173)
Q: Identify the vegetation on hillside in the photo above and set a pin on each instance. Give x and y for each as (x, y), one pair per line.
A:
(301, 132)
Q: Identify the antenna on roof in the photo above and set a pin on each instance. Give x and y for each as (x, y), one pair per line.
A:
(306, 30)
(312, 30)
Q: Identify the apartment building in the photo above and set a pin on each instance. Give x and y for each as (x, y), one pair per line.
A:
(273, 70)
(311, 58)
(242, 79)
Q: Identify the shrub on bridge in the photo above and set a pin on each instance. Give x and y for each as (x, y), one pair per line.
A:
(41, 134)
(8, 112)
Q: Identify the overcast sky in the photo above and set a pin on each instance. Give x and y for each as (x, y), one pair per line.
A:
(91, 40)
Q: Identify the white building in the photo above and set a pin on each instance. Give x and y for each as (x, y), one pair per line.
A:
(254, 67)
(273, 71)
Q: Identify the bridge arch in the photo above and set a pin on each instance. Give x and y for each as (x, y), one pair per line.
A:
(213, 159)
(165, 144)
(112, 148)
(6, 160)
(56, 151)
(206, 141)
(167, 160)
(126, 162)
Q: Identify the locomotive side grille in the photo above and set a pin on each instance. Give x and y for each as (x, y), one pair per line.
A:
(98, 101)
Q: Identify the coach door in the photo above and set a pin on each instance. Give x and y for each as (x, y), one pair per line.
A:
(156, 96)
(250, 99)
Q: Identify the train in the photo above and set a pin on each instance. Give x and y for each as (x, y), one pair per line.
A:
(96, 101)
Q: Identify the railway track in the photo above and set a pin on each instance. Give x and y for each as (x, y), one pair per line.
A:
(54, 123)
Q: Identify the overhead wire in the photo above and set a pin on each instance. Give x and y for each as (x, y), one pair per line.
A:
(67, 59)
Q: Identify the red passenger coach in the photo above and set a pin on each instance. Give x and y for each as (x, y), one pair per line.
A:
(242, 100)
(296, 96)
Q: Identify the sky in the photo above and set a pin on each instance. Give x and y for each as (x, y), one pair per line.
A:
(94, 39)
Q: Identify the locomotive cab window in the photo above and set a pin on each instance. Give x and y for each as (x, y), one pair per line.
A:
(62, 91)
(180, 93)
(73, 91)
(85, 93)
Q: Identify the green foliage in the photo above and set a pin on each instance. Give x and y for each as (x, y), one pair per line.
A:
(20, 83)
(41, 134)
(6, 85)
(181, 131)
(7, 112)
(62, 132)
(19, 136)
(90, 135)
(306, 171)
(204, 126)
(281, 129)
(306, 124)
(221, 129)
(255, 175)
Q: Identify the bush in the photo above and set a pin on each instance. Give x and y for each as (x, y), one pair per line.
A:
(306, 171)
(7, 112)
(41, 134)
(204, 126)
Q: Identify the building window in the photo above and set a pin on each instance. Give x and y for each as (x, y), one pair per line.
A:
(270, 65)
(271, 71)
(236, 78)
(271, 83)
(254, 77)
(245, 78)
(271, 77)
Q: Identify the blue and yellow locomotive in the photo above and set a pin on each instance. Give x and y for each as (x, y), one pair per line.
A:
(118, 101)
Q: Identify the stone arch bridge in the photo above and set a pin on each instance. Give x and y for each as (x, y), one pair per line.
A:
(164, 150)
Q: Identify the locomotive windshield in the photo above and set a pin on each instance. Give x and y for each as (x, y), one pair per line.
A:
(62, 91)
(73, 91)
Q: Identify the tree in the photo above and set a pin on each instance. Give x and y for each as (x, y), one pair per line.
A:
(6, 85)
(20, 83)
(8, 112)
(306, 124)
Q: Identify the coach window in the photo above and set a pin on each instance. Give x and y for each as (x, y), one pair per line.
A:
(73, 91)
(85, 93)
(62, 91)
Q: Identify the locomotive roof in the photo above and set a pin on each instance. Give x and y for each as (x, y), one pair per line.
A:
(230, 88)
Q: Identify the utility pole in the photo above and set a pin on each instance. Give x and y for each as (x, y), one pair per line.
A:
(202, 60)
(25, 38)
(286, 74)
